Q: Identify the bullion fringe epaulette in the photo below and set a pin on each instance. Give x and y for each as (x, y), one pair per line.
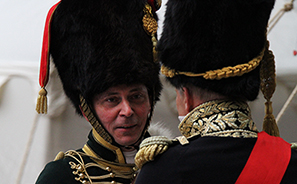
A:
(150, 148)
(153, 146)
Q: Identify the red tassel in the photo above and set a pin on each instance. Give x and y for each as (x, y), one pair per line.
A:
(295, 52)
(41, 105)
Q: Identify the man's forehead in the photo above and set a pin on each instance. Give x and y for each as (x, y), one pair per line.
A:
(127, 88)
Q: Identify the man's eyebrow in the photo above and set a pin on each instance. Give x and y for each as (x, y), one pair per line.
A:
(109, 94)
(137, 89)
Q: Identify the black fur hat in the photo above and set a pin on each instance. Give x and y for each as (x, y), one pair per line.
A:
(98, 44)
(203, 35)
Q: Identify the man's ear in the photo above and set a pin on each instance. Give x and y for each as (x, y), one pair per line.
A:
(188, 99)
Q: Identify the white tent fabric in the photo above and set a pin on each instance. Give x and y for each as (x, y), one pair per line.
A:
(29, 140)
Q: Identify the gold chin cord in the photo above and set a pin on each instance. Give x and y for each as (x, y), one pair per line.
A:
(87, 112)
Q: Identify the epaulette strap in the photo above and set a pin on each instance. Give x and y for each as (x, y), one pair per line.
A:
(294, 145)
(182, 140)
(150, 148)
(59, 156)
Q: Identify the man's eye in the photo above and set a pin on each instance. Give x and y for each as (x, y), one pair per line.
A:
(112, 100)
(137, 96)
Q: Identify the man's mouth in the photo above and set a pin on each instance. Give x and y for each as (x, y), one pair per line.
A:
(127, 127)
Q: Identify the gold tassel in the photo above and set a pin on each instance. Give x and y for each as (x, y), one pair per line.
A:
(41, 106)
(269, 123)
(268, 84)
(150, 148)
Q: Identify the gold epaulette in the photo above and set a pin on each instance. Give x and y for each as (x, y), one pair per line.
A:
(150, 148)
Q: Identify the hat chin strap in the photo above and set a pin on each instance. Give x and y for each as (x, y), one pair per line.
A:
(90, 117)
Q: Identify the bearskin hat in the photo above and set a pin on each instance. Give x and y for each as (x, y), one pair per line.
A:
(98, 44)
(206, 35)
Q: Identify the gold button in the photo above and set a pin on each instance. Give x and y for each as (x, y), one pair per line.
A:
(79, 168)
(135, 169)
(81, 175)
(108, 169)
(112, 175)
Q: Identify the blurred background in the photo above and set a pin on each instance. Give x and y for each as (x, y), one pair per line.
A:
(29, 141)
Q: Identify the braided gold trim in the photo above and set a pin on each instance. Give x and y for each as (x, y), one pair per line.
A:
(218, 74)
(125, 171)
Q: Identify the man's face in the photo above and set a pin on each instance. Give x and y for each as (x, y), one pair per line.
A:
(123, 111)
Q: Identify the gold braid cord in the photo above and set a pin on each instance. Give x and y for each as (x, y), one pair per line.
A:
(226, 72)
(150, 148)
(150, 25)
(267, 75)
(125, 171)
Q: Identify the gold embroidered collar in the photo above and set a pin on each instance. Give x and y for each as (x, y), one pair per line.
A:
(219, 118)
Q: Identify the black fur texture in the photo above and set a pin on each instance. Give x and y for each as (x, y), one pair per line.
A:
(97, 44)
(203, 35)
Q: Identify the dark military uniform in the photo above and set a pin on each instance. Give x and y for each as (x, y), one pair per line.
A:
(97, 161)
(221, 138)
(216, 54)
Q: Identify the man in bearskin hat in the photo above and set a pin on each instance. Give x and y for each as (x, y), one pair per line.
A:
(215, 53)
(104, 54)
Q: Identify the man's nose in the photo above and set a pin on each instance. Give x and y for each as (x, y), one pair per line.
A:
(126, 109)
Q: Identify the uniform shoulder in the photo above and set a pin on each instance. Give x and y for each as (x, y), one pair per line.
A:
(154, 146)
(57, 171)
(61, 170)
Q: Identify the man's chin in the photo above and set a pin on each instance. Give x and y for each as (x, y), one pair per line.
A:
(128, 141)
